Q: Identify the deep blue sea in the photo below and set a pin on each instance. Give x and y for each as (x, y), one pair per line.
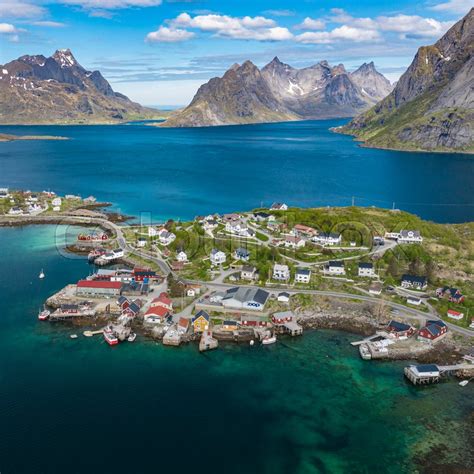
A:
(181, 173)
(305, 405)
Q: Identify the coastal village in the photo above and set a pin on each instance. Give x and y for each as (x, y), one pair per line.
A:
(256, 277)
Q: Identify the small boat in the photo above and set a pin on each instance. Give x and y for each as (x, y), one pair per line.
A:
(44, 315)
(41, 275)
(463, 383)
(110, 338)
(252, 342)
(269, 340)
(73, 336)
(132, 337)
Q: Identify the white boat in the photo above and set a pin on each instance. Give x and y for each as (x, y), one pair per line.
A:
(269, 340)
(41, 275)
(252, 342)
(44, 314)
(463, 383)
(110, 338)
(132, 337)
(73, 336)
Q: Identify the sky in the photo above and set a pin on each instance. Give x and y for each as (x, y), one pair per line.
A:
(158, 52)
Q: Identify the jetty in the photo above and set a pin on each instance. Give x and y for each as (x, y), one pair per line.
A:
(207, 342)
(431, 373)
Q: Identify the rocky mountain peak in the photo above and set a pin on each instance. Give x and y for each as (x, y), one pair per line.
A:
(65, 58)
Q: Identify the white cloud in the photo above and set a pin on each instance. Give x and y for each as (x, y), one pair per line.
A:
(310, 24)
(49, 24)
(413, 24)
(18, 9)
(168, 35)
(342, 33)
(111, 4)
(454, 6)
(406, 25)
(7, 28)
(256, 28)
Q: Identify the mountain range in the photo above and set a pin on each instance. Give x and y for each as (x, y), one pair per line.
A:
(279, 92)
(432, 105)
(37, 89)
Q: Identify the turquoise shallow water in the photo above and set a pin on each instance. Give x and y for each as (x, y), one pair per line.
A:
(171, 173)
(306, 405)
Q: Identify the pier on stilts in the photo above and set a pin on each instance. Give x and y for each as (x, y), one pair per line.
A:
(432, 373)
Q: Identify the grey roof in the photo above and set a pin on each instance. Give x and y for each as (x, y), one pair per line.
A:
(366, 265)
(427, 368)
(303, 271)
(335, 263)
(405, 233)
(284, 293)
(243, 294)
(248, 268)
(242, 252)
(414, 279)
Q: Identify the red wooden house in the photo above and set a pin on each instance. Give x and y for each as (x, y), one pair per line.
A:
(432, 331)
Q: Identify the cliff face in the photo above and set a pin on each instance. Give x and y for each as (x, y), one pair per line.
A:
(279, 92)
(36, 89)
(431, 106)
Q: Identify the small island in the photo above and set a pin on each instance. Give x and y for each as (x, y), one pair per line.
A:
(9, 138)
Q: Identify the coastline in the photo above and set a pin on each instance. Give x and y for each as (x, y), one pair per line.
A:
(364, 144)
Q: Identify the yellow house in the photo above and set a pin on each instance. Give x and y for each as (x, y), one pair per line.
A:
(201, 321)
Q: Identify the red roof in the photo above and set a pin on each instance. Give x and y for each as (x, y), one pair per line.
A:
(99, 284)
(183, 322)
(157, 311)
(163, 298)
(454, 313)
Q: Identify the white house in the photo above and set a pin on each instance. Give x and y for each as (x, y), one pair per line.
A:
(414, 282)
(279, 206)
(34, 208)
(57, 201)
(239, 228)
(141, 242)
(302, 275)
(413, 300)
(166, 237)
(330, 238)
(410, 237)
(283, 297)
(242, 254)
(281, 272)
(294, 242)
(182, 256)
(152, 231)
(248, 272)
(336, 268)
(366, 269)
(15, 211)
(217, 257)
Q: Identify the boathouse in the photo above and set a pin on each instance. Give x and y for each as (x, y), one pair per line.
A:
(400, 330)
(98, 288)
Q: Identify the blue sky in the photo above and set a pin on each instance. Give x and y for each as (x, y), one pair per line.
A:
(160, 51)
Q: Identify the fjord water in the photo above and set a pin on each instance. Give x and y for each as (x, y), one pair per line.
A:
(181, 173)
(305, 405)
